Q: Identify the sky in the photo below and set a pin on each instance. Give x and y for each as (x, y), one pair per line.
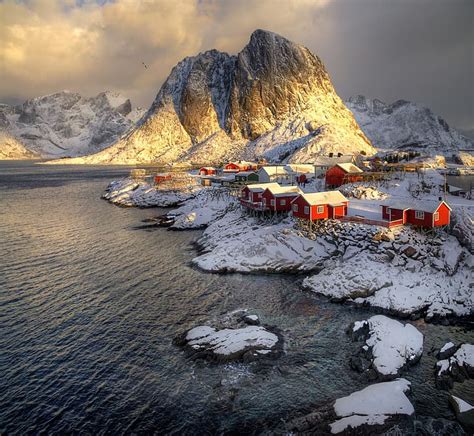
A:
(417, 50)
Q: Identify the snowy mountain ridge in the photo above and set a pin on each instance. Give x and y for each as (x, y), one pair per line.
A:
(273, 100)
(67, 124)
(406, 125)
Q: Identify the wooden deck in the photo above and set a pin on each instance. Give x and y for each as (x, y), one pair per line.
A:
(381, 223)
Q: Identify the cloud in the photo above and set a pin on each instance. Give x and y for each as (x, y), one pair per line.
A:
(390, 49)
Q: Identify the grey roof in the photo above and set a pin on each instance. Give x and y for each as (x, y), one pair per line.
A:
(414, 204)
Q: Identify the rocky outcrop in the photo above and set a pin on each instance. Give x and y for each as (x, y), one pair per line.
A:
(459, 366)
(390, 347)
(405, 125)
(273, 100)
(236, 338)
(67, 124)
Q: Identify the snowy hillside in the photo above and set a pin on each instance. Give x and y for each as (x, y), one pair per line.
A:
(405, 125)
(10, 148)
(67, 124)
(274, 100)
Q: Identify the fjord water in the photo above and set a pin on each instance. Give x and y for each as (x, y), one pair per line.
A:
(90, 303)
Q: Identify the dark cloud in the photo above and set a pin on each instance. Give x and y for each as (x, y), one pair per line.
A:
(419, 50)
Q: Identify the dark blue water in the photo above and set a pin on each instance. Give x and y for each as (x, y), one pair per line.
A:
(90, 304)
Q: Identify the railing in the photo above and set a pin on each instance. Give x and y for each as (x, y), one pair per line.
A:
(363, 220)
(253, 205)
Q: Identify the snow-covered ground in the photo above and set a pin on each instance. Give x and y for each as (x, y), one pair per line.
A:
(141, 193)
(390, 345)
(372, 405)
(402, 271)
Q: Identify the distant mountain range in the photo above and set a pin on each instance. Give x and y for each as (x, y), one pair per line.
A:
(65, 124)
(273, 100)
(406, 126)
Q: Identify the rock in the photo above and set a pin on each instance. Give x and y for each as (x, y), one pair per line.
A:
(464, 412)
(410, 251)
(390, 346)
(373, 405)
(446, 351)
(458, 367)
(244, 344)
(251, 319)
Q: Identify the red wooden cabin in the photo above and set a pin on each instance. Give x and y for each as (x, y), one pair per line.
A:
(207, 171)
(251, 195)
(320, 205)
(236, 167)
(278, 199)
(159, 178)
(426, 214)
(343, 173)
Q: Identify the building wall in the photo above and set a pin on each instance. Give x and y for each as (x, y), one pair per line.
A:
(335, 176)
(397, 214)
(444, 216)
(268, 197)
(425, 222)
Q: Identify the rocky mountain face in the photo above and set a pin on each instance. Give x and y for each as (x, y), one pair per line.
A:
(66, 124)
(273, 100)
(406, 126)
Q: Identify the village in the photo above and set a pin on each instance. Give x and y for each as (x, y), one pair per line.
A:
(395, 238)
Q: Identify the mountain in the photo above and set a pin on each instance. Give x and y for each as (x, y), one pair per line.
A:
(406, 126)
(274, 100)
(10, 148)
(67, 124)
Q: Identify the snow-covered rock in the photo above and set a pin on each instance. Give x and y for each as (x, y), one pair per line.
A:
(385, 276)
(141, 193)
(458, 367)
(246, 343)
(390, 346)
(464, 412)
(446, 351)
(363, 191)
(406, 125)
(67, 124)
(372, 405)
(207, 206)
(237, 242)
(274, 99)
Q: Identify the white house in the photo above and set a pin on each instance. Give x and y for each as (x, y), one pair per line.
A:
(276, 173)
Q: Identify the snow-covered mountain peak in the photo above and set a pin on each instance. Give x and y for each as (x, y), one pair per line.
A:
(67, 124)
(406, 125)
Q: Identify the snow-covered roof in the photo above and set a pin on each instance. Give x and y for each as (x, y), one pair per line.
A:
(326, 161)
(300, 168)
(430, 206)
(349, 168)
(327, 197)
(278, 191)
(207, 168)
(244, 173)
(256, 187)
(241, 163)
(274, 171)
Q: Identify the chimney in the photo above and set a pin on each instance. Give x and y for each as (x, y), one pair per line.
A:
(440, 198)
(331, 154)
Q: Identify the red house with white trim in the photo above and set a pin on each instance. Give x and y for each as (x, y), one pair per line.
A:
(320, 205)
(278, 199)
(160, 178)
(237, 167)
(251, 195)
(343, 173)
(426, 214)
(207, 171)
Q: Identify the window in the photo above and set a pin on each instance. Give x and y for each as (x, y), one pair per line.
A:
(320, 209)
(295, 208)
(436, 216)
(272, 202)
(283, 202)
(388, 210)
(306, 210)
(419, 215)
